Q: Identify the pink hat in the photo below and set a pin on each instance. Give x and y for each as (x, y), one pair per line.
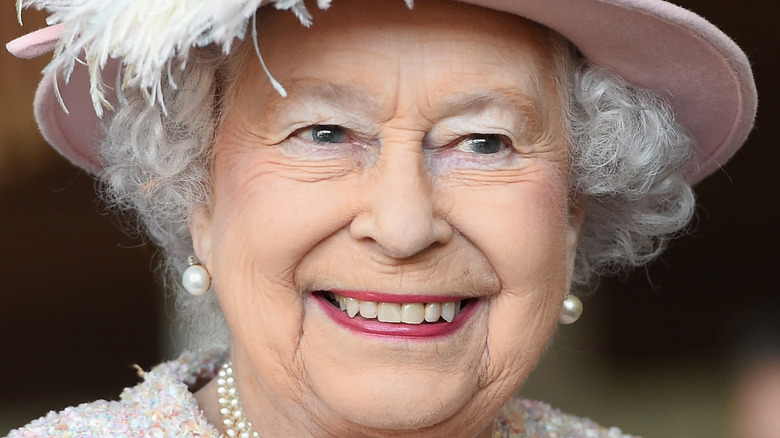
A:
(651, 43)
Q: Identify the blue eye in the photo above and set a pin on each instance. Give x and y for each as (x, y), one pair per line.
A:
(328, 134)
(482, 143)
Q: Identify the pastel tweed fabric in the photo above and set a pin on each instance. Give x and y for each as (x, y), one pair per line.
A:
(163, 406)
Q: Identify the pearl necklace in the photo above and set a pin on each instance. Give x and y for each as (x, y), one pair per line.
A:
(233, 417)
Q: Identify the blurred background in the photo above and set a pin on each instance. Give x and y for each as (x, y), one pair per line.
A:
(678, 349)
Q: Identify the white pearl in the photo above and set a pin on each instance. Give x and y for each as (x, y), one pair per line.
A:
(196, 280)
(233, 417)
(571, 310)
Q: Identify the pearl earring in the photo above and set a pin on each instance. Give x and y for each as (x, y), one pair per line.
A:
(571, 310)
(196, 279)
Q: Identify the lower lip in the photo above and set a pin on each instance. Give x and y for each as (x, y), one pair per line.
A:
(397, 330)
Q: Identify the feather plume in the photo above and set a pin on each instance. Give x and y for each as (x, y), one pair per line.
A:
(147, 35)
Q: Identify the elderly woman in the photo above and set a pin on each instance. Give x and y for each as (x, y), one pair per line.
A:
(378, 219)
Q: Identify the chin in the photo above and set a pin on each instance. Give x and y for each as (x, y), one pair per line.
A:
(397, 382)
(403, 401)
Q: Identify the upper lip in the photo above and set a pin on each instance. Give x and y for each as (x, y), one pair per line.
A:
(386, 297)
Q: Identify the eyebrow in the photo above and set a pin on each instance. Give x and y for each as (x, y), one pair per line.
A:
(476, 102)
(344, 96)
(362, 102)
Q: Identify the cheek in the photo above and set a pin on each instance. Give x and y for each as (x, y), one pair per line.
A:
(521, 228)
(274, 210)
(263, 222)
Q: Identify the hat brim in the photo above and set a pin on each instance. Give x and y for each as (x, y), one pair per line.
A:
(700, 71)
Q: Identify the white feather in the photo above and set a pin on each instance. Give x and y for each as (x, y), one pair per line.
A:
(147, 35)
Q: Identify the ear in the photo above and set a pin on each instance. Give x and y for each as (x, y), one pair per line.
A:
(200, 230)
(577, 208)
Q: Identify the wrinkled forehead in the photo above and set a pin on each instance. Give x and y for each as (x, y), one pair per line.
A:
(442, 22)
(354, 33)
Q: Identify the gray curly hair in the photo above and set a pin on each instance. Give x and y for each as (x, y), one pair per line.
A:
(626, 153)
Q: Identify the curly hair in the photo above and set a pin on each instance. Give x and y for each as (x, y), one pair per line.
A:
(626, 161)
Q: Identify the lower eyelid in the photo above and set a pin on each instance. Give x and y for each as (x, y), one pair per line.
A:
(453, 158)
(308, 150)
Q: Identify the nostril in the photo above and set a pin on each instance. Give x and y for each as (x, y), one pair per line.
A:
(400, 211)
(442, 230)
(400, 236)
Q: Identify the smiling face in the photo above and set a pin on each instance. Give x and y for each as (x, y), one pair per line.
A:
(391, 243)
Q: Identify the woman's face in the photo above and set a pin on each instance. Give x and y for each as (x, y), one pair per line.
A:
(418, 164)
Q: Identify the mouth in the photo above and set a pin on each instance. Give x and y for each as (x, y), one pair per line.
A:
(388, 316)
(397, 313)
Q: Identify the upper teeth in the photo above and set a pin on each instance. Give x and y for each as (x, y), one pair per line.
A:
(408, 313)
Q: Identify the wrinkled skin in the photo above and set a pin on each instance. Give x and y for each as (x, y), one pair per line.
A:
(403, 203)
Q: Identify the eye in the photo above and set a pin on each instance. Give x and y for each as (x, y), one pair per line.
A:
(481, 144)
(328, 134)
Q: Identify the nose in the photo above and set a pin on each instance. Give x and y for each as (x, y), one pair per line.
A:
(400, 209)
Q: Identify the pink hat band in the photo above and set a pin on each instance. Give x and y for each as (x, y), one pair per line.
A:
(701, 72)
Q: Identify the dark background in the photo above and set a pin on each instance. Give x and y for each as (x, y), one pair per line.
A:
(79, 304)
(717, 286)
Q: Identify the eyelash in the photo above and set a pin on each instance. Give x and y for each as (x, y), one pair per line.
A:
(343, 135)
(458, 153)
(309, 131)
(480, 140)
(300, 144)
